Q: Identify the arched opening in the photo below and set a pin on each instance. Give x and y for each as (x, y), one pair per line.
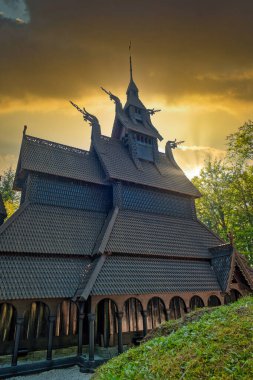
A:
(66, 325)
(66, 319)
(35, 329)
(7, 327)
(213, 301)
(132, 317)
(177, 308)
(106, 323)
(232, 297)
(156, 312)
(196, 303)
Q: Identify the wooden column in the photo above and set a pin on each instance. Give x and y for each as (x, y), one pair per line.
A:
(19, 322)
(80, 329)
(168, 314)
(145, 324)
(51, 320)
(91, 319)
(119, 316)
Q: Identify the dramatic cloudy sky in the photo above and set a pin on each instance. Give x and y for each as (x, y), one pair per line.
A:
(192, 58)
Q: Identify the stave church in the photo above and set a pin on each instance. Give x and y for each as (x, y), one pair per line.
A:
(106, 243)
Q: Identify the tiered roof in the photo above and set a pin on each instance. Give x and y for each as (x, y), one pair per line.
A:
(51, 158)
(69, 252)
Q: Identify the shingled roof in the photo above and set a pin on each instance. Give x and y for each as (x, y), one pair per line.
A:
(136, 232)
(164, 175)
(51, 277)
(222, 262)
(136, 127)
(48, 157)
(138, 275)
(41, 229)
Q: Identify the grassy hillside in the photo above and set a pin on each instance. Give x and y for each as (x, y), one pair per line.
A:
(216, 346)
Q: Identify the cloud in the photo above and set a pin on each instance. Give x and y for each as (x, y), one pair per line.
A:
(19, 21)
(192, 158)
(14, 10)
(205, 149)
(192, 49)
(6, 161)
(190, 58)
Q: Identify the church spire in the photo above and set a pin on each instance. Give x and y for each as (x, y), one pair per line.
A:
(130, 61)
(132, 90)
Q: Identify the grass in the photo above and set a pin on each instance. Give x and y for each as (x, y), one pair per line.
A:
(213, 345)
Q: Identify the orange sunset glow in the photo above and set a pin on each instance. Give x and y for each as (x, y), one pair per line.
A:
(191, 58)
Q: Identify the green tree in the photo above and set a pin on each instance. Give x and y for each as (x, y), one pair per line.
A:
(240, 143)
(227, 188)
(10, 197)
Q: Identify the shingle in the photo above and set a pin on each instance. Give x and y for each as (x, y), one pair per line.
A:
(138, 127)
(52, 158)
(51, 277)
(221, 263)
(146, 233)
(128, 275)
(120, 166)
(47, 229)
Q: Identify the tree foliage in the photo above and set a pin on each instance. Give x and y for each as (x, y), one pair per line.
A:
(227, 188)
(10, 196)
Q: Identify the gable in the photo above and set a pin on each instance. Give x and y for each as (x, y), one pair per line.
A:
(230, 267)
(163, 175)
(48, 157)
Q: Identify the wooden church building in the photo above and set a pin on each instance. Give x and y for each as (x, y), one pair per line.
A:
(106, 243)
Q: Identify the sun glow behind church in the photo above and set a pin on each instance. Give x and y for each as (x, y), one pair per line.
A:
(201, 77)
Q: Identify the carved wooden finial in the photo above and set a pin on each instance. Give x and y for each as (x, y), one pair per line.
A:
(173, 144)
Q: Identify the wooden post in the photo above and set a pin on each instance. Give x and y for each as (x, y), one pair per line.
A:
(120, 341)
(51, 320)
(168, 314)
(91, 319)
(19, 323)
(80, 329)
(145, 325)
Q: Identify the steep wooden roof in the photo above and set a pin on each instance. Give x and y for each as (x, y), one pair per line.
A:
(44, 229)
(163, 175)
(112, 161)
(40, 276)
(48, 157)
(137, 232)
(128, 275)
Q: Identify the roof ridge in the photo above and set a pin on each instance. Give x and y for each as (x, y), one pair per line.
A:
(209, 230)
(14, 216)
(245, 270)
(85, 292)
(106, 231)
(231, 271)
(56, 145)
